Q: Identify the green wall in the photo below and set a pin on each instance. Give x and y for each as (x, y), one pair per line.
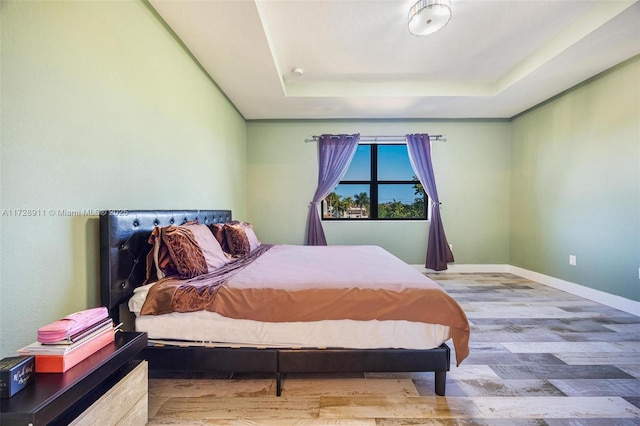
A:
(575, 184)
(101, 109)
(472, 173)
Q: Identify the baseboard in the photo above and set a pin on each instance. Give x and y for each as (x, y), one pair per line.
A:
(461, 269)
(611, 300)
(617, 302)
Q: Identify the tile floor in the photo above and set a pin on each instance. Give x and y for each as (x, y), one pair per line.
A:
(539, 356)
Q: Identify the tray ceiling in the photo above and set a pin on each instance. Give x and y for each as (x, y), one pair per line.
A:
(494, 59)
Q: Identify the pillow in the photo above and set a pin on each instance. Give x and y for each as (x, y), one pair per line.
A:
(162, 258)
(213, 253)
(254, 242)
(159, 262)
(192, 250)
(218, 232)
(241, 238)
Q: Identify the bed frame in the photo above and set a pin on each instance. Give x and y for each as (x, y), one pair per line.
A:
(123, 251)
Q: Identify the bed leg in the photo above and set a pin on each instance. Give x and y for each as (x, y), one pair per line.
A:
(278, 384)
(441, 382)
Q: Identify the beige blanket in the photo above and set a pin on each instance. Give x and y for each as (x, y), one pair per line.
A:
(287, 283)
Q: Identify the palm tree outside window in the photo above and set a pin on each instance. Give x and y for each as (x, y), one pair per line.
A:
(379, 184)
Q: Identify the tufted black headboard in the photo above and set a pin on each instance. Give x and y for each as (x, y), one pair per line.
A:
(124, 247)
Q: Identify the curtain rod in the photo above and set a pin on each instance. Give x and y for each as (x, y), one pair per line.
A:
(379, 138)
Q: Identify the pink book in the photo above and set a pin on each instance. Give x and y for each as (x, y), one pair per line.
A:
(61, 363)
(71, 325)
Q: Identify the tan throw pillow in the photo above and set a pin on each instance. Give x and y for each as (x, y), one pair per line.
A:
(218, 231)
(159, 262)
(241, 238)
(193, 249)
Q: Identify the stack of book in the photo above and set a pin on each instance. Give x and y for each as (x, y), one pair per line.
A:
(64, 343)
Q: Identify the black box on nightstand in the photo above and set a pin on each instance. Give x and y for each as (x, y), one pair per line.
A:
(15, 373)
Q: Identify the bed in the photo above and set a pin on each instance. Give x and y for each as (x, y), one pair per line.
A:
(234, 330)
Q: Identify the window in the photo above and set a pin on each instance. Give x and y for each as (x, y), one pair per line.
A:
(379, 184)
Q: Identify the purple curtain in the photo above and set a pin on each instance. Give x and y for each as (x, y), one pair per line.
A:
(438, 250)
(334, 155)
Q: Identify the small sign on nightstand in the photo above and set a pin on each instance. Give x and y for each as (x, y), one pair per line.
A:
(15, 373)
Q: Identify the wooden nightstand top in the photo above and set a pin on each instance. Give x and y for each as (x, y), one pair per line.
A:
(59, 397)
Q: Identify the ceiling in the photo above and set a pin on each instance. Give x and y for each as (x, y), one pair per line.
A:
(494, 59)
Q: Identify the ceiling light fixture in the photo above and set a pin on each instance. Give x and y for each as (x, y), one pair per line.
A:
(429, 16)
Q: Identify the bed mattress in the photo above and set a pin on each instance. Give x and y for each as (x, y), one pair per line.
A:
(204, 327)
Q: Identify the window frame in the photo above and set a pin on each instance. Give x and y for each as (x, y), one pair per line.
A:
(373, 184)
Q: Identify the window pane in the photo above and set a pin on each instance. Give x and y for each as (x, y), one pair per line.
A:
(347, 201)
(393, 163)
(401, 201)
(360, 167)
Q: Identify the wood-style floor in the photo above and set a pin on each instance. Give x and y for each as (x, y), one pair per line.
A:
(539, 356)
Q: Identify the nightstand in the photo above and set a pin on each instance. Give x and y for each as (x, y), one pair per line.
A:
(108, 387)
